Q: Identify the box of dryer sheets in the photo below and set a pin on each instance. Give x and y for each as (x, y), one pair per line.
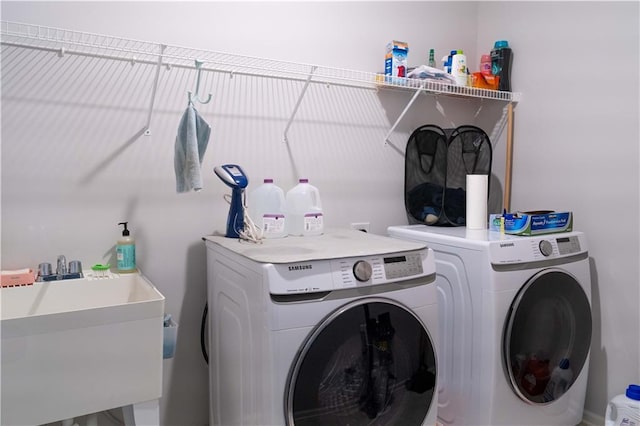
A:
(395, 61)
(532, 223)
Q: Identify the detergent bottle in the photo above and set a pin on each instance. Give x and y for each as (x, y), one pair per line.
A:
(560, 381)
(304, 210)
(624, 409)
(459, 67)
(501, 60)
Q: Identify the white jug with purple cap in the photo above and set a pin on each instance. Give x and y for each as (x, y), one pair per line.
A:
(304, 210)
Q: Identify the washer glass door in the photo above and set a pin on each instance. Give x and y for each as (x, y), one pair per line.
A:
(547, 336)
(370, 362)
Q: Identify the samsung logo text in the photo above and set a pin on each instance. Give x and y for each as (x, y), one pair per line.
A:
(300, 267)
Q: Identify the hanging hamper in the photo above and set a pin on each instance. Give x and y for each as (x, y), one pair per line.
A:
(437, 162)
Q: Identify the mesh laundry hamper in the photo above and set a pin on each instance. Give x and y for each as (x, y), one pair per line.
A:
(437, 162)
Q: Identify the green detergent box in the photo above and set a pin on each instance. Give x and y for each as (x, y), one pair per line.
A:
(533, 223)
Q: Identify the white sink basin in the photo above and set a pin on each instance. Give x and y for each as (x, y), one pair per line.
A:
(75, 347)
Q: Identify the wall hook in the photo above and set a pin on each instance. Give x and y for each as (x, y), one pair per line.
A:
(196, 97)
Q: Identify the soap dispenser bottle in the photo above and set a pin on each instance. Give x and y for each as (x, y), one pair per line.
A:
(126, 251)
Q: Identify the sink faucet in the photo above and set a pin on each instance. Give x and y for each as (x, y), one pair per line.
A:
(61, 268)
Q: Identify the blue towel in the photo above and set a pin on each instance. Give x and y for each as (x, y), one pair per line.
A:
(191, 143)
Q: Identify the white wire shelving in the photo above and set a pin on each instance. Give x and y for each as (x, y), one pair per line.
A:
(69, 42)
(64, 41)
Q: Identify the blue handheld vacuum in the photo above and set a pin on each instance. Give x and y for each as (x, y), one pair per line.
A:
(233, 176)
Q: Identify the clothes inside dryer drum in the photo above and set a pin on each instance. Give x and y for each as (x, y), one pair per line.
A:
(550, 320)
(372, 362)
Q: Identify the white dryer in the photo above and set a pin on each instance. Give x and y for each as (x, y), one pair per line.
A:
(514, 328)
(333, 329)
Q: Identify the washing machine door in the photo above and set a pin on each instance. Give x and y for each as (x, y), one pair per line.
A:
(547, 336)
(371, 362)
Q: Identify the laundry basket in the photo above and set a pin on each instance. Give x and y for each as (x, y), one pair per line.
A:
(437, 162)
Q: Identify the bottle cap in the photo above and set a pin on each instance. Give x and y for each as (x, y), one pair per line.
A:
(303, 180)
(564, 363)
(268, 180)
(633, 392)
(500, 44)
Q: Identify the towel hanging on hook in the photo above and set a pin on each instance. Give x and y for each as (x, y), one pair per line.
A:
(196, 97)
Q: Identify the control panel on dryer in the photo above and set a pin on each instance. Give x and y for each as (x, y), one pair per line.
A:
(558, 246)
(529, 249)
(373, 270)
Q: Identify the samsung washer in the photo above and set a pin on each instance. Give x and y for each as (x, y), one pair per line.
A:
(333, 329)
(513, 309)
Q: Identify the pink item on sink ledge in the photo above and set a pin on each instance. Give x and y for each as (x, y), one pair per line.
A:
(19, 277)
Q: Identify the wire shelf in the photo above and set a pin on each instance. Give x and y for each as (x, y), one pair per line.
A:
(64, 41)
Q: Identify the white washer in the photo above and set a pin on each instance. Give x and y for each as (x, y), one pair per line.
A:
(333, 329)
(511, 308)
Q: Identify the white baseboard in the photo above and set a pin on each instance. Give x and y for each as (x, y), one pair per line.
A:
(588, 419)
(592, 419)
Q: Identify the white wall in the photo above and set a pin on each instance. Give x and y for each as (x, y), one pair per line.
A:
(72, 168)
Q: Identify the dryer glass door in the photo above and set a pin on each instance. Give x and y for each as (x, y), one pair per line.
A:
(370, 362)
(547, 336)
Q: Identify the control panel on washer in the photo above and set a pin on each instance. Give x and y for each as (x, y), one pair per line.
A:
(349, 272)
(373, 270)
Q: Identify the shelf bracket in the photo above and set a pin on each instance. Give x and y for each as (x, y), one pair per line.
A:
(147, 127)
(403, 113)
(295, 109)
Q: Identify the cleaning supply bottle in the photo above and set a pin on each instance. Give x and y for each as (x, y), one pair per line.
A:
(459, 68)
(266, 209)
(624, 409)
(304, 210)
(432, 59)
(446, 65)
(126, 251)
(485, 64)
(560, 381)
(501, 59)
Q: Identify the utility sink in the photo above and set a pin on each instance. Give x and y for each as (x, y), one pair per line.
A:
(79, 346)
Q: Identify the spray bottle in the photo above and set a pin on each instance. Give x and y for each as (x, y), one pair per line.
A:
(126, 251)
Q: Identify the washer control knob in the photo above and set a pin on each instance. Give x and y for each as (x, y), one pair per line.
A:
(545, 248)
(362, 270)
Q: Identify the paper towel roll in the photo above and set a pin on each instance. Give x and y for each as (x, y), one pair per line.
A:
(477, 190)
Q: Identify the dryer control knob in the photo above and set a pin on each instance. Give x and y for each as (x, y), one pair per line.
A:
(545, 248)
(362, 270)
